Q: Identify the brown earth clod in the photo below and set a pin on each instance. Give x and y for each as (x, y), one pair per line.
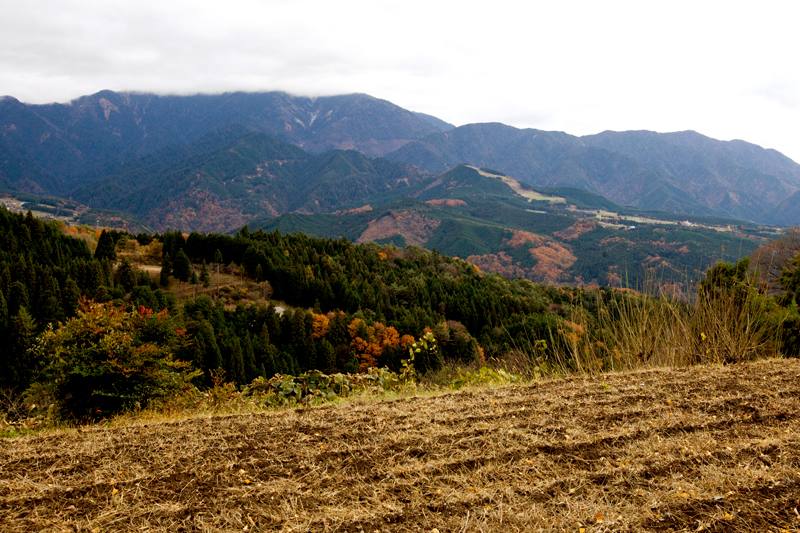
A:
(702, 449)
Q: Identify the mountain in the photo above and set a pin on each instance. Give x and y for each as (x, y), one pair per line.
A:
(109, 128)
(742, 179)
(436, 122)
(20, 174)
(221, 184)
(787, 212)
(546, 235)
(682, 172)
(549, 159)
(56, 149)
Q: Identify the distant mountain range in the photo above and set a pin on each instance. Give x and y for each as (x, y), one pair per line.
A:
(216, 161)
(553, 235)
(681, 172)
(106, 129)
(226, 178)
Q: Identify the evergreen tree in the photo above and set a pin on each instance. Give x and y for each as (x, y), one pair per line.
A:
(126, 274)
(70, 295)
(5, 277)
(790, 281)
(108, 273)
(21, 337)
(182, 269)
(235, 368)
(3, 316)
(101, 295)
(326, 356)
(267, 353)
(166, 270)
(49, 309)
(143, 279)
(251, 370)
(208, 355)
(97, 278)
(205, 279)
(105, 247)
(218, 260)
(17, 298)
(24, 272)
(302, 345)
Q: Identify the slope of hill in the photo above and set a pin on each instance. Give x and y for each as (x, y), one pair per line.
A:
(110, 133)
(682, 172)
(743, 179)
(110, 128)
(786, 212)
(20, 174)
(220, 188)
(571, 238)
(656, 450)
(435, 121)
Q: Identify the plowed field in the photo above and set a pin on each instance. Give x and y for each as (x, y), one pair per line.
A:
(699, 449)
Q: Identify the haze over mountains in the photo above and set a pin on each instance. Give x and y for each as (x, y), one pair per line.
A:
(175, 159)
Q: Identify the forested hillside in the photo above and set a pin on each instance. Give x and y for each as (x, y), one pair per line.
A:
(98, 140)
(475, 215)
(108, 129)
(683, 172)
(95, 320)
(366, 302)
(230, 177)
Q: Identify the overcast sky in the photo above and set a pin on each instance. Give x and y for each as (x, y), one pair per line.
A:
(729, 70)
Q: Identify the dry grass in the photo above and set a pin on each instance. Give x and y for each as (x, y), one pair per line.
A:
(226, 285)
(706, 448)
(639, 331)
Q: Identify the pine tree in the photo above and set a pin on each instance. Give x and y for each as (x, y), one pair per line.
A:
(70, 295)
(183, 267)
(21, 337)
(17, 298)
(267, 353)
(193, 281)
(3, 316)
(24, 272)
(236, 363)
(166, 270)
(126, 274)
(108, 273)
(205, 279)
(251, 370)
(218, 260)
(5, 277)
(326, 356)
(105, 247)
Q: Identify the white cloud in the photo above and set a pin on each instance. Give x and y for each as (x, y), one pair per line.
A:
(726, 69)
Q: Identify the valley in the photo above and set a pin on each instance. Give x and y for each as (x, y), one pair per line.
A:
(650, 201)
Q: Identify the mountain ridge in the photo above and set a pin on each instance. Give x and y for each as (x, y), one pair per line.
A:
(59, 148)
(680, 171)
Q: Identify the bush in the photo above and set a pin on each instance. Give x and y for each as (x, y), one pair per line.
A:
(108, 360)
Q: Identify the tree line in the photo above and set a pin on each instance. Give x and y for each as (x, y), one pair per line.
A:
(350, 306)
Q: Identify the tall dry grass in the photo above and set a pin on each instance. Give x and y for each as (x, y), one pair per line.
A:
(641, 330)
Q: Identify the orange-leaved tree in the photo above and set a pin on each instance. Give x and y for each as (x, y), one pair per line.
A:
(107, 360)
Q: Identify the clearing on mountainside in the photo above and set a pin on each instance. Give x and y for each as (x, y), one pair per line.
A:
(517, 188)
(695, 449)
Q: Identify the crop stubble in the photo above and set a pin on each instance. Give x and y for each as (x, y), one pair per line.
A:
(704, 448)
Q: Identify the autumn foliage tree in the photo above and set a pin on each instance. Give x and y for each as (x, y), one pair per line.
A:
(107, 360)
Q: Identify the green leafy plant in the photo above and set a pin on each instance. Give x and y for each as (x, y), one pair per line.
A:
(108, 360)
(483, 376)
(426, 353)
